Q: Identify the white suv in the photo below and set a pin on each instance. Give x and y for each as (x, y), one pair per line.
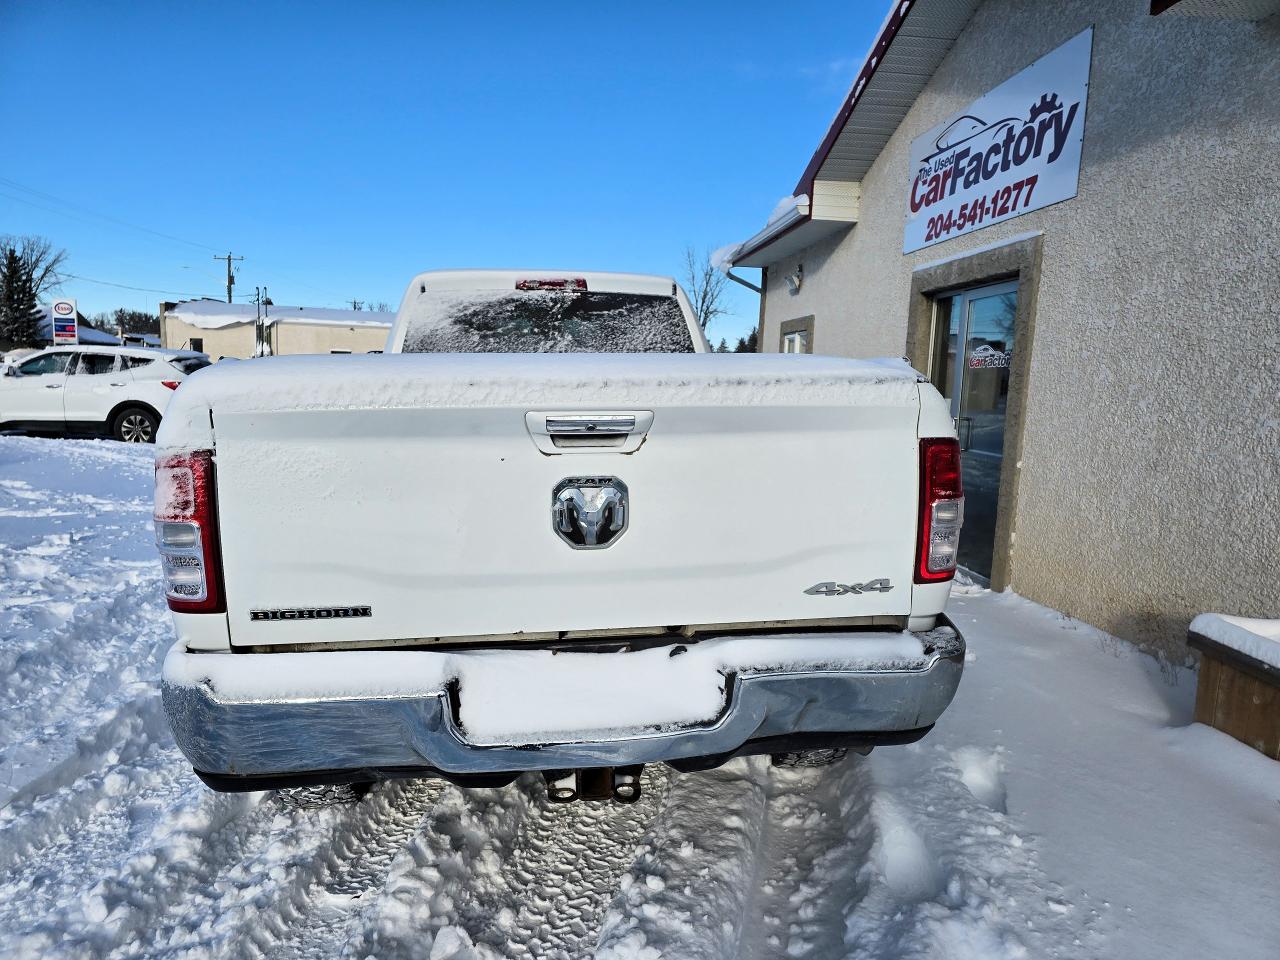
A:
(120, 392)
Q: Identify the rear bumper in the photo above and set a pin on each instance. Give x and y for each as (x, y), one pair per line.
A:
(247, 721)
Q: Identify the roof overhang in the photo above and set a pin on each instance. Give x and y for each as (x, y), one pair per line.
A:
(912, 42)
(833, 207)
(1227, 9)
(915, 37)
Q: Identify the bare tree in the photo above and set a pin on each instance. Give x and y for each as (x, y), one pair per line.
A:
(41, 262)
(705, 285)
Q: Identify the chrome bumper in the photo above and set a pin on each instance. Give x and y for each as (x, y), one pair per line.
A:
(307, 724)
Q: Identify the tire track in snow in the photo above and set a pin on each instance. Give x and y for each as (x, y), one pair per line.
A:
(691, 882)
(81, 610)
(321, 911)
(148, 833)
(747, 861)
(566, 866)
(69, 791)
(818, 834)
(505, 873)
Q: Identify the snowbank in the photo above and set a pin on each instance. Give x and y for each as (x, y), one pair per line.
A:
(214, 314)
(1259, 639)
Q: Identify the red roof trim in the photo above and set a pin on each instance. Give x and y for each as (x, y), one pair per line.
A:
(902, 9)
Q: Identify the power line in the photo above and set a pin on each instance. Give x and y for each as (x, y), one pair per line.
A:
(13, 184)
(125, 286)
(330, 295)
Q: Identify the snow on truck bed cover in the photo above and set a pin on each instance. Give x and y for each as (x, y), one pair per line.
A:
(277, 384)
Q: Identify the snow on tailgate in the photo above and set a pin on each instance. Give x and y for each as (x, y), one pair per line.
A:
(531, 380)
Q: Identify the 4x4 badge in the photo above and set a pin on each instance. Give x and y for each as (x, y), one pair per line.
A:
(832, 589)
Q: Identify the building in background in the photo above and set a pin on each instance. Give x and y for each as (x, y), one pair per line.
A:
(230, 329)
(1062, 214)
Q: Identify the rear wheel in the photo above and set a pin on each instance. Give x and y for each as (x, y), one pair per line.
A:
(811, 758)
(135, 425)
(325, 795)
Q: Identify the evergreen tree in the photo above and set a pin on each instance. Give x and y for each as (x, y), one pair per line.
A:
(19, 309)
(723, 347)
(747, 345)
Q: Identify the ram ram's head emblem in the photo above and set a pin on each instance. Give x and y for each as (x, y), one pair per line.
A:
(589, 512)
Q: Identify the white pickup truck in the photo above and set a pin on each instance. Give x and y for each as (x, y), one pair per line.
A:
(548, 530)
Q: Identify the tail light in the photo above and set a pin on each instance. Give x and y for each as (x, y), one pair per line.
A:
(941, 509)
(568, 284)
(187, 532)
(171, 384)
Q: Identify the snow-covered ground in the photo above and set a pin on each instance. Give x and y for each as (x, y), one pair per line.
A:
(1064, 807)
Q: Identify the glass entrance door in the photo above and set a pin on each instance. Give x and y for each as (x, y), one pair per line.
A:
(974, 343)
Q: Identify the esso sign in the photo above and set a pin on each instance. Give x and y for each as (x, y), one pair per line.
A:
(64, 322)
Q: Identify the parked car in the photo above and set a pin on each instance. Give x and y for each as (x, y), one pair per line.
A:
(532, 555)
(122, 393)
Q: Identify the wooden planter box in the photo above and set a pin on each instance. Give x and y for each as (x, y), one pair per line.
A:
(1238, 695)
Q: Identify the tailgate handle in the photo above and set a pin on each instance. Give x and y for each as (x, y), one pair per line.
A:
(586, 426)
(589, 432)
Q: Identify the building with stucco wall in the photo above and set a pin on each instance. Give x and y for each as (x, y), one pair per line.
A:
(1112, 356)
(234, 329)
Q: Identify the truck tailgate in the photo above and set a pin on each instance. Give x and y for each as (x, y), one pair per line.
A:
(404, 520)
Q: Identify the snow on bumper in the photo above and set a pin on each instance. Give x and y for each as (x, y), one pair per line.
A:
(491, 711)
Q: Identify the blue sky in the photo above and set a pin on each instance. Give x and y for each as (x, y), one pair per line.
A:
(341, 148)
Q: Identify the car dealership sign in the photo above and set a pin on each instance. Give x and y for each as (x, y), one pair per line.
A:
(64, 322)
(1015, 150)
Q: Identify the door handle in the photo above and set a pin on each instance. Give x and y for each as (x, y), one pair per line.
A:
(115, 384)
(53, 386)
(967, 436)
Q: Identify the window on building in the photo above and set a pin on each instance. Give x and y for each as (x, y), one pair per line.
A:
(796, 336)
(197, 344)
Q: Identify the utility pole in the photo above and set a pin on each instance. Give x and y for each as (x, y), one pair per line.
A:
(231, 280)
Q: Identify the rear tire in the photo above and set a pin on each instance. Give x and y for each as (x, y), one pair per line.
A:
(325, 795)
(135, 425)
(810, 758)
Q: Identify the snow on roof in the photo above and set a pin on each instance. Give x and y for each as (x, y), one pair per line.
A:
(214, 314)
(1259, 639)
(787, 212)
